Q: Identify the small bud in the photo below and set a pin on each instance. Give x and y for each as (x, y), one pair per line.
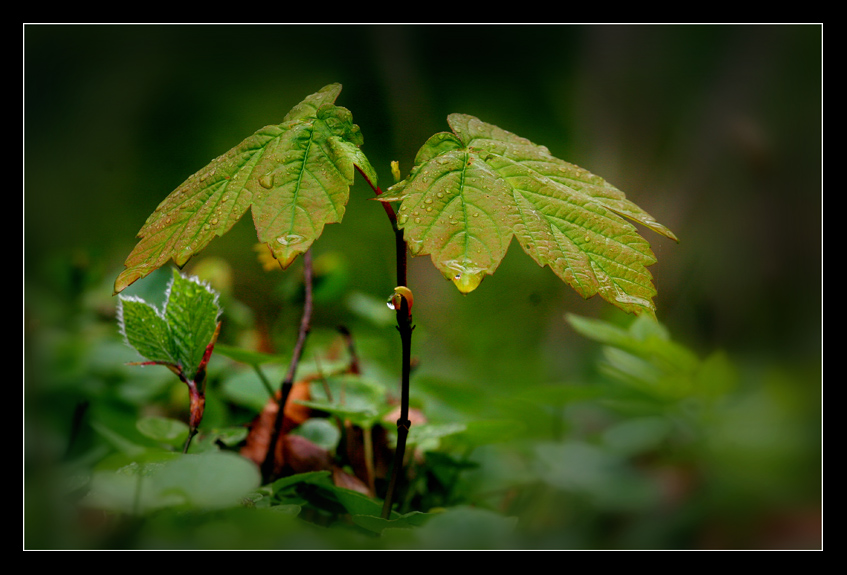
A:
(396, 299)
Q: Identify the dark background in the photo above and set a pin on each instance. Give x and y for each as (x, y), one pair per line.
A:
(714, 130)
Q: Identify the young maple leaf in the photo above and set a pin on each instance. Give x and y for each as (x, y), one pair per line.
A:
(472, 190)
(295, 177)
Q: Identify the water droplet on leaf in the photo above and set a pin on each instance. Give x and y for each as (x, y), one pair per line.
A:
(466, 276)
(267, 181)
(289, 240)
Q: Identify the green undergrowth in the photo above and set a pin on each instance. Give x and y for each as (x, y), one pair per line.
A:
(654, 445)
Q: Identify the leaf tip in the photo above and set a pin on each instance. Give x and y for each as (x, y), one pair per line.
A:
(128, 277)
(286, 248)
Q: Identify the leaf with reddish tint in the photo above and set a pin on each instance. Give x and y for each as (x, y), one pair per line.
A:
(472, 190)
(295, 177)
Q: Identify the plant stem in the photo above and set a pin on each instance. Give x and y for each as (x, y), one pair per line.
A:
(197, 405)
(285, 388)
(405, 327)
(265, 383)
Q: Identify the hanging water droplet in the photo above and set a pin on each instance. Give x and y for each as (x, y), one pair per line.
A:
(466, 276)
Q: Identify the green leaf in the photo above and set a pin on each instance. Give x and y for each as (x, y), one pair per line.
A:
(644, 357)
(295, 176)
(472, 190)
(207, 481)
(353, 398)
(179, 334)
(378, 524)
(146, 330)
(164, 429)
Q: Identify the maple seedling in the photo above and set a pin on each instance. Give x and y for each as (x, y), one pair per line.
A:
(469, 192)
(181, 336)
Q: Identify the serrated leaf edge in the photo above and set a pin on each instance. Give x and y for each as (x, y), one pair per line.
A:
(161, 313)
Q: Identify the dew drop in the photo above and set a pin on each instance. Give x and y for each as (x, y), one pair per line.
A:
(267, 181)
(634, 300)
(466, 276)
(289, 240)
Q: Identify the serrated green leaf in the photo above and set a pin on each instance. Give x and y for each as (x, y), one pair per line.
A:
(192, 312)
(472, 190)
(179, 334)
(145, 330)
(295, 176)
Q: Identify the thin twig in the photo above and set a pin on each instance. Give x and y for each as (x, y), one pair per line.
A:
(265, 382)
(288, 382)
(355, 366)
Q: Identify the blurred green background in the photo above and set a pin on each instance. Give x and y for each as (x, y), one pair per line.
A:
(714, 130)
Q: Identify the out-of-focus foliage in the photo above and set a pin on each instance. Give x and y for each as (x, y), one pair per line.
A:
(655, 447)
